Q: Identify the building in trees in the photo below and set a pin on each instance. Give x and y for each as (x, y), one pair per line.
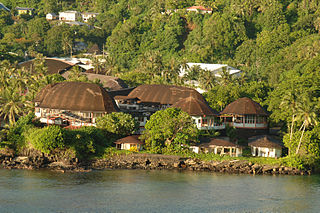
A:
(145, 100)
(86, 16)
(52, 16)
(25, 11)
(199, 9)
(69, 16)
(246, 115)
(265, 146)
(73, 103)
(54, 65)
(202, 114)
(129, 143)
(218, 146)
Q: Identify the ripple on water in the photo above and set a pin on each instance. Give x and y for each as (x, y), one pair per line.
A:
(155, 191)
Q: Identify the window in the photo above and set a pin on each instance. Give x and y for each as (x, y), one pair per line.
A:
(205, 122)
(249, 119)
(261, 119)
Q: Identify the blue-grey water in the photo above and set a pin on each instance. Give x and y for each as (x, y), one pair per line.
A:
(155, 191)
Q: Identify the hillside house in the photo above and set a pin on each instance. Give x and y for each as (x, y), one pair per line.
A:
(25, 11)
(87, 16)
(52, 16)
(199, 9)
(69, 16)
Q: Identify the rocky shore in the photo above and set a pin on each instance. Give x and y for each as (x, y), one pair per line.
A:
(140, 161)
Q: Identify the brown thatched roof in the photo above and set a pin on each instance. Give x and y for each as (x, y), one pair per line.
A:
(110, 82)
(223, 141)
(76, 96)
(266, 141)
(194, 106)
(132, 139)
(163, 94)
(113, 83)
(55, 66)
(244, 106)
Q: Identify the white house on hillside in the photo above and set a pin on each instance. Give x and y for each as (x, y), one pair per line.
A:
(69, 16)
(51, 16)
(87, 16)
(215, 68)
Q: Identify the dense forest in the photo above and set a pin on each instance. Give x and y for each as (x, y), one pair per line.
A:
(276, 43)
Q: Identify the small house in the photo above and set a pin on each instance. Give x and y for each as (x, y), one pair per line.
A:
(69, 16)
(25, 11)
(199, 9)
(218, 146)
(129, 142)
(52, 16)
(87, 16)
(265, 146)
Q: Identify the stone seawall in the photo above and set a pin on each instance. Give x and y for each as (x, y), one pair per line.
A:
(141, 161)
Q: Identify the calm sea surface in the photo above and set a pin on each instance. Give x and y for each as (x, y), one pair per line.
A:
(155, 191)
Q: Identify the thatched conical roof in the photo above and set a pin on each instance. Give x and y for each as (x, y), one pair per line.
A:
(195, 107)
(244, 106)
(163, 94)
(76, 96)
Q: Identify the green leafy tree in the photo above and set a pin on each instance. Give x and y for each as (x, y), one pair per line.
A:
(118, 123)
(170, 128)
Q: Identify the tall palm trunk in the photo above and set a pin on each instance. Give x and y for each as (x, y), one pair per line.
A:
(291, 131)
(299, 145)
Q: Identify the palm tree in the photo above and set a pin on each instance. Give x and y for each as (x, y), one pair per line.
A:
(226, 77)
(289, 103)
(11, 104)
(307, 113)
(207, 79)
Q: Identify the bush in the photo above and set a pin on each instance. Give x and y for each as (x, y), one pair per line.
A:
(46, 139)
(86, 141)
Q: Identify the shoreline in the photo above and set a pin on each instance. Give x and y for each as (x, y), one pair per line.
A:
(145, 162)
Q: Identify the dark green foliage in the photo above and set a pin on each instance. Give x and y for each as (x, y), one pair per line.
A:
(117, 123)
(86, 141)
(168, 129)
(46, 139)
(15, 134)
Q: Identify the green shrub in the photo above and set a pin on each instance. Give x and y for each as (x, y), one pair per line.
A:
(46, 139)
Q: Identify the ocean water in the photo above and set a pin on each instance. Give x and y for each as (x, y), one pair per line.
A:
(155, 191)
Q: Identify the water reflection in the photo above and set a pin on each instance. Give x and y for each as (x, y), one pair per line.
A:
(154, 191)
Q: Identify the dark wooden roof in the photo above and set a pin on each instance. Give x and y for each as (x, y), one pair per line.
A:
(195, 107)
(132, 139)
(164, 94)
(76, 96)
(266, 141)
(244, 106)
(55, 66)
